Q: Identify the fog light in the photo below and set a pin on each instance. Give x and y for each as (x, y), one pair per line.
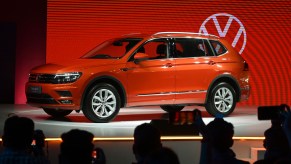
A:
(66, 101)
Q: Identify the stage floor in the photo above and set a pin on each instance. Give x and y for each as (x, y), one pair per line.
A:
(244, 119)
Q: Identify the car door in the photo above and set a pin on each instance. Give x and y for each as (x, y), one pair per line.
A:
(195, 69)
(151, 81)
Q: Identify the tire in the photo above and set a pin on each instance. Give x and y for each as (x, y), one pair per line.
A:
(57, 112)
(221, 100)
(102, 103)
(172, 108)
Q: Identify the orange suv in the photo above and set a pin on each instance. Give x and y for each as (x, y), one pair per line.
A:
(169, 69)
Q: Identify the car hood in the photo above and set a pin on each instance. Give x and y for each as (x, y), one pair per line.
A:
(72, 66)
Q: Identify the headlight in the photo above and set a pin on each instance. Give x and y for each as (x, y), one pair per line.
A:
(66, 77)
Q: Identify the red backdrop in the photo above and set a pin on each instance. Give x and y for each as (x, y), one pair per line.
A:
(261, 29)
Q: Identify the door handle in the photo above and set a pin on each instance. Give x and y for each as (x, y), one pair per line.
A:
(211, 62)
(125, 69)
(169, 65)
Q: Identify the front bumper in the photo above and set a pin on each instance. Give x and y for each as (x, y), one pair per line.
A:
(57, 96)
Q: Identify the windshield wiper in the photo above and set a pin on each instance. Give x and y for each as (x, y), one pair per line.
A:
(101, 56)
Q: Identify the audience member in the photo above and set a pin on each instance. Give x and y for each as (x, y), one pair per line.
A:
(217, 142)
(17, 139)
(77, 147)
(287, 126)
(147, 140)
(38, 143)
(148, 149)
(278, 139)
(275, 142)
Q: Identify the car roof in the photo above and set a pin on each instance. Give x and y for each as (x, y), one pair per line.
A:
(173, 35)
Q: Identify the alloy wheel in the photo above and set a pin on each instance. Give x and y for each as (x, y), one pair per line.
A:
(104, 103)
(223, 99)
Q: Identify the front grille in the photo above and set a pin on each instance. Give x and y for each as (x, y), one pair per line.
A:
(32, 78)
(40, 99)
(41, 78)
(64, 93)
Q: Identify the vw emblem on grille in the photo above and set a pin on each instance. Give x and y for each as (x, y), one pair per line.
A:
(241, 32)
(37, 78)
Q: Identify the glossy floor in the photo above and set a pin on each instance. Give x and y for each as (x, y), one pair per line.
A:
(244, 120)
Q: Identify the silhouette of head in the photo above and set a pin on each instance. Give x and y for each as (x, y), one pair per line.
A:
(77, 147)
(276, 143)
(147, 140)
(18, 132)
(220, 133)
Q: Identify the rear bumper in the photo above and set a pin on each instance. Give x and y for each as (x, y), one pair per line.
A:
(245, 93)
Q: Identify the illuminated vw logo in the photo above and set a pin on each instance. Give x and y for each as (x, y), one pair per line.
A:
(237, 30)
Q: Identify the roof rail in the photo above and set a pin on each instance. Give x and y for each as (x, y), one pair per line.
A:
(131, 34)
(175, 33)
(185, 33)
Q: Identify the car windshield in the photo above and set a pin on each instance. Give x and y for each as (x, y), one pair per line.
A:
(112, 49)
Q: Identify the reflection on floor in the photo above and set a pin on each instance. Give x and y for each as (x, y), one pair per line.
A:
(244, 120)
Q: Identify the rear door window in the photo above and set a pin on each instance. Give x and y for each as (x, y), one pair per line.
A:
(191, 47)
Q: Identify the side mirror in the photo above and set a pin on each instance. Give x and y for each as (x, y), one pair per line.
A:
(138, 57)
(117, 43)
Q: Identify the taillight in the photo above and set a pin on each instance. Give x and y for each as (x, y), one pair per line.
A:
(246, 66)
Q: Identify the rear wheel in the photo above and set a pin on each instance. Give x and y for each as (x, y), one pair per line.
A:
(57, 112)
(102, 103)
(221, 100)
(172, 108)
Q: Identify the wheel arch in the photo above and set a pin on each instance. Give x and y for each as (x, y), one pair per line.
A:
(108, 80)
(227, 79)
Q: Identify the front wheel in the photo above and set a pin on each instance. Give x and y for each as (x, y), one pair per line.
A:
(221, 100)
(57, 112)
(102, 103)
(172, 108)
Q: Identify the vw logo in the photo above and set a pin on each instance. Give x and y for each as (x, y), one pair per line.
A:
(239, 32)
(37, 78)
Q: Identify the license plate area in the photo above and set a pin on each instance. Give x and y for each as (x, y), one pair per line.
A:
(34, 89)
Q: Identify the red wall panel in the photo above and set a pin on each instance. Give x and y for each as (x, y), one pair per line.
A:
(30, 20)
(74, 27)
